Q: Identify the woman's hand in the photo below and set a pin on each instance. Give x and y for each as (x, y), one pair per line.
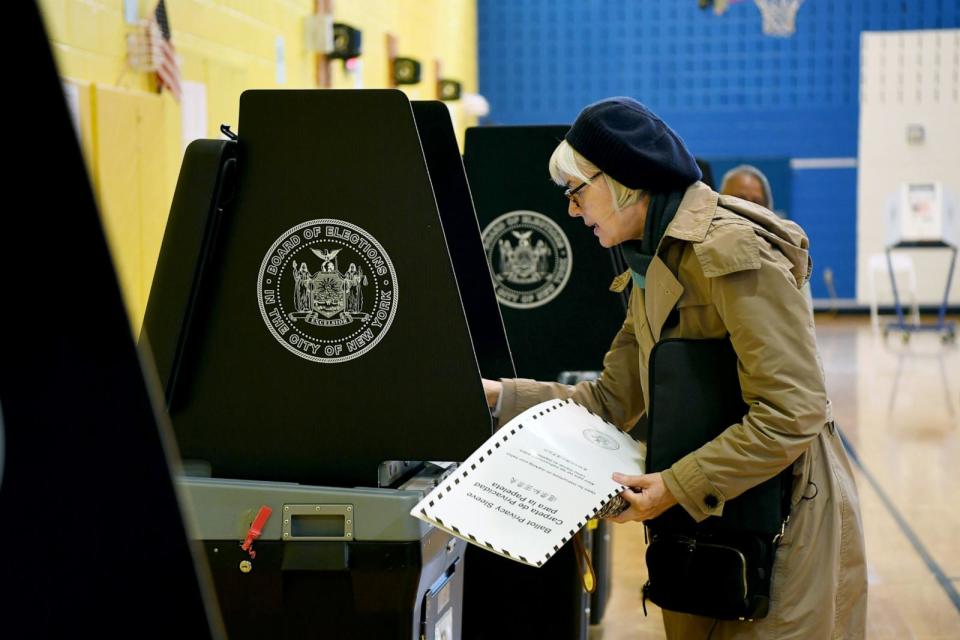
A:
(647, 495)
(492, 390)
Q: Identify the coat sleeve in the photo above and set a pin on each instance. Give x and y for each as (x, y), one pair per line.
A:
(771, 328)
(615, 395)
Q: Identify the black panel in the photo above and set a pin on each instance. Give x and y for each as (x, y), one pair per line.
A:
(206, 183)
(507, 169)
(463, 238)
(94, 539)
(707, 171)
(318, 590)
(694, 396)
(257, 410)
(602, 557)
(548, 601)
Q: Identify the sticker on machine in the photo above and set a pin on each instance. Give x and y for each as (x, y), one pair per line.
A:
(327, 291)
(530, 258)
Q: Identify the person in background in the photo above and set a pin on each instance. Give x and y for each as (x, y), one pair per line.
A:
(749, 183)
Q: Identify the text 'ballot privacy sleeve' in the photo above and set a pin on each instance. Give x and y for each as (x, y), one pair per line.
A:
(536, 482)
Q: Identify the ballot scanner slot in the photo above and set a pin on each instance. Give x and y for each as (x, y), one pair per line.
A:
(317, 522)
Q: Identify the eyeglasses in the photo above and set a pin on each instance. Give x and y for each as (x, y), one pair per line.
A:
(571, 194)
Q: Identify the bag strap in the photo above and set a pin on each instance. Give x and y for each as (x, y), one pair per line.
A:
(584, 565)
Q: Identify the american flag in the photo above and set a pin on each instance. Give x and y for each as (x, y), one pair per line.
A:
(168, 71)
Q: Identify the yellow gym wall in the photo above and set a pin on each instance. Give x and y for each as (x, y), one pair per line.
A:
(132, 136)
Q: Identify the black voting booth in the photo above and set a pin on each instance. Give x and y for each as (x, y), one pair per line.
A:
(463, 238)
(559, 314)
(95, 540)
(316, 391)
(304, 158)
(547, 610)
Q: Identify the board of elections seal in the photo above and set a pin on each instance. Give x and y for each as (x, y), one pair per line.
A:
(530, 257)
(600, 439)
(327, 290)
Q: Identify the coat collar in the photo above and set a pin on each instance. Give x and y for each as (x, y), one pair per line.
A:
(696, 212)
(663, 290)
(661, 295)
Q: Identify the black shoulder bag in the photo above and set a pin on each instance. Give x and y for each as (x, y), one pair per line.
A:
(721, 567)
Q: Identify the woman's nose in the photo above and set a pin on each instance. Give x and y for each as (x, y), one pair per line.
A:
(573, 209)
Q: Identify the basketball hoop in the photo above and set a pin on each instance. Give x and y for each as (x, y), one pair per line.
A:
(779, 16)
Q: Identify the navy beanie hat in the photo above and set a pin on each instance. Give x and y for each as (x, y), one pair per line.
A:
(632, 145)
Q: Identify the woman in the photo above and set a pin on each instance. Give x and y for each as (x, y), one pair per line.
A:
(709, 266)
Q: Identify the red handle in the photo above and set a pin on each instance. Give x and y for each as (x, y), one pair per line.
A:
(256, 529)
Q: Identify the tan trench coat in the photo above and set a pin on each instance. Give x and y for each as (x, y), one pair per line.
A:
(734, 268)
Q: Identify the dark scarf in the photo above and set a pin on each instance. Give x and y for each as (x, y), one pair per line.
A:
(660, 212)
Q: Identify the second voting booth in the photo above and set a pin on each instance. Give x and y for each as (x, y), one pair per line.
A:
(552, 280)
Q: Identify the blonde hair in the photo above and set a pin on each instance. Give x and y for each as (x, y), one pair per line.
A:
(566, 163)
